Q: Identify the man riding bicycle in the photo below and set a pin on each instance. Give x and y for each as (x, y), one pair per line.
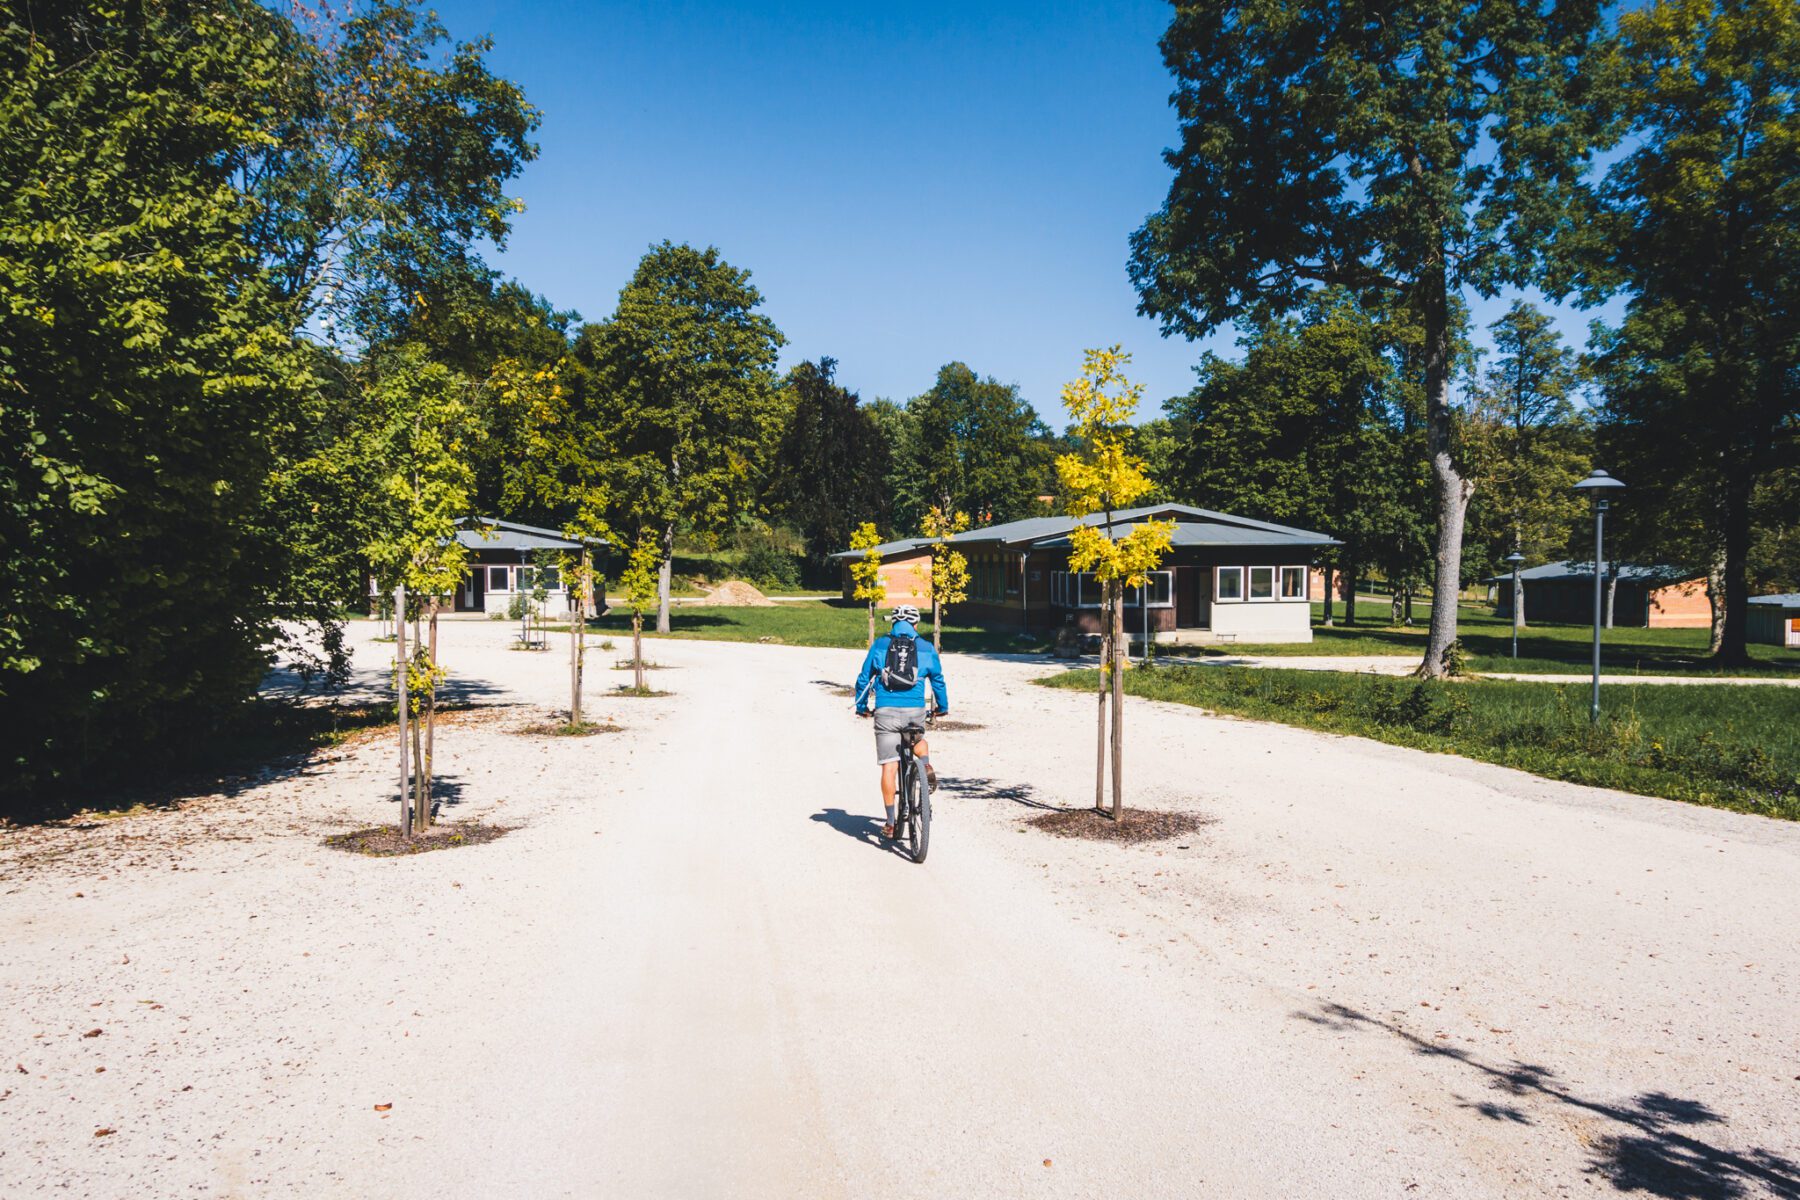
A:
(892, 682)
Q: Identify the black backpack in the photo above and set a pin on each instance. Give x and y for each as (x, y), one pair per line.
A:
(900, 673)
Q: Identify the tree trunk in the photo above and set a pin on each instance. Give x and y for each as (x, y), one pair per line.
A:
(1330, 582)
(1105, 688)
(425, 771)
(402, 701)
(1350, 582)
(1519, 605)
(581, 597)
(1715, 599)
(871, 623)
(421, 808)
(937, 625)
(665, 578)
(637, 649)
(1453, 489)
(1734, 644)
(1612, 592)
(1118, 705)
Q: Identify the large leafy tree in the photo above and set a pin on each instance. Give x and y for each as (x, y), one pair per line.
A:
(1399, 150)
(148, 379)
(1528, 444)
(173, 497)
(684, 377)
(971, 445)
(1702, 377)
(832, 463)
(1309, 429)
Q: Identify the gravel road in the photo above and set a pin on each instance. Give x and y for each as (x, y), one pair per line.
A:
(692, 970)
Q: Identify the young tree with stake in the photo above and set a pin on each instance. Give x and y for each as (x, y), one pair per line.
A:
(1102, 476)
(418, 439)
(865, 572)
(640, 581)
(949, 583)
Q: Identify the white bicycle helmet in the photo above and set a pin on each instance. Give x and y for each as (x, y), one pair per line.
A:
(904, 612)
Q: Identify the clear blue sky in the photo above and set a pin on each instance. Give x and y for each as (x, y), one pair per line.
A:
(910, 184)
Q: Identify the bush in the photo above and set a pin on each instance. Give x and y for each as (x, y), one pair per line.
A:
(768, 567)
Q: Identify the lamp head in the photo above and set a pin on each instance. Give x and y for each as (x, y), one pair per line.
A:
(1599, 483)
(1515, 558)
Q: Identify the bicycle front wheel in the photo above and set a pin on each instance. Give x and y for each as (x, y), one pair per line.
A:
(918, 815)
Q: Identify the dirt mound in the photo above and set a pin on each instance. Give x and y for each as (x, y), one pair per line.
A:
(737, 594)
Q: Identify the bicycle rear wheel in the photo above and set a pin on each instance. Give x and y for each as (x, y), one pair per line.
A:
(918, 814)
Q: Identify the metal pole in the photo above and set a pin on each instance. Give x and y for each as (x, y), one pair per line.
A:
(1599, 559)
(1515, 610)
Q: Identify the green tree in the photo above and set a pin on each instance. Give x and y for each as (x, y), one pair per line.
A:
(1103, 477)
(1404, 151)
(683, 375)
(1702, 215)
(176, 504)
(832, 464)
(419, 436)
(1526, 443)
(642, 591)
(1309, 429)
(971, 445)
(148, 383)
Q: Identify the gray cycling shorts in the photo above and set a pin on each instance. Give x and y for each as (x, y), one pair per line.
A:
(888, 724)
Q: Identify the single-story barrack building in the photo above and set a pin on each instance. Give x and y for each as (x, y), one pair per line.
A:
(1225, 578)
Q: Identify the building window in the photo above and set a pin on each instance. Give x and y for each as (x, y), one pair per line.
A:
(1072, 589)
(1015, 576)
(1230, 584)
(1293, 583)
(552, 579)
(1161, 588)
(1262, 583)
(497, 579)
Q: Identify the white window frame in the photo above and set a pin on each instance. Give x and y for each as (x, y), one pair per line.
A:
(505, 578)
(1250, 588)
(1168, 577)
(1305, 583)
(1219, 595)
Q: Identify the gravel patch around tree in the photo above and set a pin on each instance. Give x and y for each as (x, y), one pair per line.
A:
(384, 841)
(1136, 826)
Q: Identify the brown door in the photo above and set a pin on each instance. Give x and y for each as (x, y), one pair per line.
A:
(1187, 597)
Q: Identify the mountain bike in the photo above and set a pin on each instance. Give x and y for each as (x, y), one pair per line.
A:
(912, 817)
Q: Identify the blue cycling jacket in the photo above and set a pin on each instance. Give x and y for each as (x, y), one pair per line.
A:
(868, 681)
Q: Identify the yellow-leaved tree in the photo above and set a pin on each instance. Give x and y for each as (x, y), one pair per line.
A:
(1102, 477)
(949, 567)
(865, 572)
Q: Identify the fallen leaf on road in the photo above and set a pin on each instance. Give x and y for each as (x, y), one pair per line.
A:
(97, 1032)
(23, 1071)
(1046, 1161)
(384, 1107)
(110, 1132)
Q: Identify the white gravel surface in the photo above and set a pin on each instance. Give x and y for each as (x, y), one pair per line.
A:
(692, 971)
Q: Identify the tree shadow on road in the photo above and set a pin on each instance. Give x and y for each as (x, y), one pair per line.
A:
(991, 789)
(1652, 1150)
(864, 829)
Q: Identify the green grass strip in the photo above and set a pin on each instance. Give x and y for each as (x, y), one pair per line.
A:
(1727, 746)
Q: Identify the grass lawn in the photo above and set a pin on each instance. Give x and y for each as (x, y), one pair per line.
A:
(805, 623)
(1543, 649)
(1734, 747)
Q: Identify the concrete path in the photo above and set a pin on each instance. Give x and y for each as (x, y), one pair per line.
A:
(693, 970)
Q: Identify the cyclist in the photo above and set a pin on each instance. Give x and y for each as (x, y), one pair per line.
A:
(892, 683)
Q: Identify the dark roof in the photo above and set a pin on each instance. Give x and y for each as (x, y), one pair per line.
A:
(1779, 600)
(1193, 527)
(1562, 572)
(491, 533)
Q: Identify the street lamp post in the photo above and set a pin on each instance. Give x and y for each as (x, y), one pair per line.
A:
(1515, 558)
(1600, 485)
